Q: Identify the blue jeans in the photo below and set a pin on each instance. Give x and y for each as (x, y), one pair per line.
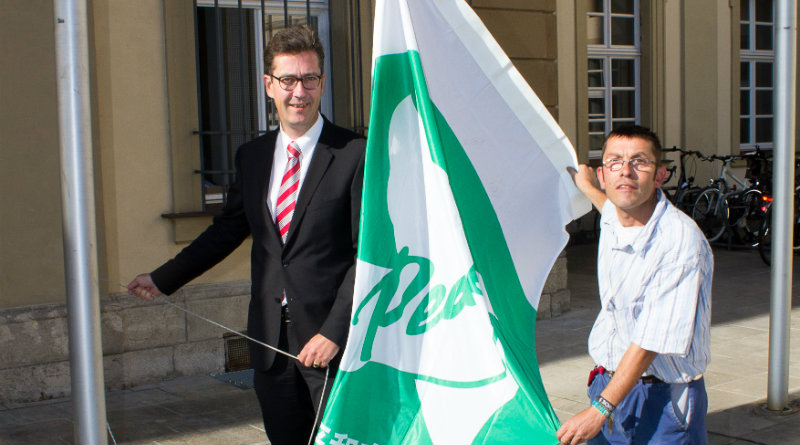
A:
(656, 413)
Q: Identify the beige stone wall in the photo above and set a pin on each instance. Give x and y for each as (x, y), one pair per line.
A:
(526, 30)
(134, 138)
(144, 112)
(31, 263)
(142, 342)
(703, 105)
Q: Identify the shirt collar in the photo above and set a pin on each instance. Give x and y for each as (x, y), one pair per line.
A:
(611, 223)
(307, 141)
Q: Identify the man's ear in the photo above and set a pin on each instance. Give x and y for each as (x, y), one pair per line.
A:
(661, 176)
(268, 85)
(601, 178)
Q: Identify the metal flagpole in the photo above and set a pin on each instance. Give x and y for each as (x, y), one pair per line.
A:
(782, 207)
(78, 222)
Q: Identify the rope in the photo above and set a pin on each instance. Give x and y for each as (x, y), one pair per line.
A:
(259, 342)
(108, 427)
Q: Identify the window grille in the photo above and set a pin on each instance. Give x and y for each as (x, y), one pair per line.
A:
(231, 36)
(756, 87)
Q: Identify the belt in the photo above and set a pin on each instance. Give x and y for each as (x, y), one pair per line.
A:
(601, 370)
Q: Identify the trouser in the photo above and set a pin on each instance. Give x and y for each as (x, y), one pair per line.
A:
(289, 394)
(656, 413)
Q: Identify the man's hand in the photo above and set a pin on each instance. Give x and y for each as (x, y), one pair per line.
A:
(586, 180)
(318, 352)
(582, 427)
(143, 287)
(584, 177)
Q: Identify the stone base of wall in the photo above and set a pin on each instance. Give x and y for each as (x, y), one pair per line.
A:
(555, 297)
(145, 342)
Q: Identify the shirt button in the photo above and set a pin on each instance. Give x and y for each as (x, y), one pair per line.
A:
(285, 265)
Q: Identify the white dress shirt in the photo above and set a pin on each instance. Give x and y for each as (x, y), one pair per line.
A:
(655, 292)
(307, 143)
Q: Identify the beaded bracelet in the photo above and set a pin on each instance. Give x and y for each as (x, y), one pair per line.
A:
(601, 408)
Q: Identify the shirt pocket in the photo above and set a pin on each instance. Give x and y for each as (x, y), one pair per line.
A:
(625, 313)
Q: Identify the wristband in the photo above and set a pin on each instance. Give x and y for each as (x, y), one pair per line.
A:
(610, 407)
(601, 408)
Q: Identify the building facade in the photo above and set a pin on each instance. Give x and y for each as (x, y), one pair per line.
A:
(175, 88)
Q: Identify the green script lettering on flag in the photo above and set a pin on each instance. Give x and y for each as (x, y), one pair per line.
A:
(465, 200)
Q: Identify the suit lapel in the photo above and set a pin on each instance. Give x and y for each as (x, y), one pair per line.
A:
(316, 171)
(262, 175)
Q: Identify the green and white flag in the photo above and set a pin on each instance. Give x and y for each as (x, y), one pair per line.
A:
(466, 196)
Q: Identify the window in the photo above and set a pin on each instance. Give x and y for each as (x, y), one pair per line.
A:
(614, 55)
(233, 106)
(757, 59)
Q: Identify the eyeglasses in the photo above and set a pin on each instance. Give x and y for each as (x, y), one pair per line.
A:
(289, 82)
(638, 164)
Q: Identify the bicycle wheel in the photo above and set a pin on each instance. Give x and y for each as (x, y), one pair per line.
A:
(765, 239)
(749, 221)
(796, 239)
(685, 199)
(709, 214)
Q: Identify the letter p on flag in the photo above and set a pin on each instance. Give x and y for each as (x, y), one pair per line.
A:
(466, 195)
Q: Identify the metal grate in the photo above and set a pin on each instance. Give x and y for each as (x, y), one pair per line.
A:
(237, 355)
(231, 36)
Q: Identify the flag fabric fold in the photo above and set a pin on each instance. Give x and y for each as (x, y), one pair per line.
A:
(465, 200)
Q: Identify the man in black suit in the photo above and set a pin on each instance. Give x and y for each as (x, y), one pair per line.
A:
(304, 241)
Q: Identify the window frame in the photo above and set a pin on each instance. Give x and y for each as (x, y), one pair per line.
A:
(608, 52)
(213, 196)
(752, 57)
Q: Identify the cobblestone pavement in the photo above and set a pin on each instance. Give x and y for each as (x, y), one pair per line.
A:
(204, 410)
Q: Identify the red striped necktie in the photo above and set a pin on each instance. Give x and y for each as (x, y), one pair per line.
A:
(287, 194)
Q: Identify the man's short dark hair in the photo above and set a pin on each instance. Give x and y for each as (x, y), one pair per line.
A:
(637, 132)
(293, 40)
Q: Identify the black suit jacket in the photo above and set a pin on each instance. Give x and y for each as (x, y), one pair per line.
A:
(316, 267)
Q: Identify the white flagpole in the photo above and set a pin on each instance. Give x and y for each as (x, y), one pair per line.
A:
(782, 208)
(78, 222)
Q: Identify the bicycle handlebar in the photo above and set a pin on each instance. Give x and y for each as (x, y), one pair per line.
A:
(726, 159)
(682, 151)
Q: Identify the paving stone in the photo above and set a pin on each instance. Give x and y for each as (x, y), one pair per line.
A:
(723, 400)
(234, 434)
(133, 398)
(201, 409)
(51, 432)
(738, 421)
(785, 433)
(754, 386)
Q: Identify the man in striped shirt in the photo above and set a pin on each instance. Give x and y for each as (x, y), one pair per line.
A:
(650, 341)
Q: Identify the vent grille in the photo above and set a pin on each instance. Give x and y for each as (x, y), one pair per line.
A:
(237, 356)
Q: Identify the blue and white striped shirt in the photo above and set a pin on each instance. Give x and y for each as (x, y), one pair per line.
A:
(655, 292)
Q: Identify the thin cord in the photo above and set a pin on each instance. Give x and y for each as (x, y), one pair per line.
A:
(108, 426)
(327, 369)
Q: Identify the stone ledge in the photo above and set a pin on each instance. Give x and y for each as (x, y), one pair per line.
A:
(143, 342)
(44, 381)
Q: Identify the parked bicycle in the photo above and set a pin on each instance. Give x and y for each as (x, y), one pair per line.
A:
(765, 232)
(684, 193)
(725, 212)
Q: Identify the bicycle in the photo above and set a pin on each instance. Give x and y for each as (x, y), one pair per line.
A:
(722, 209)
(684, 193)
(765, 232)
